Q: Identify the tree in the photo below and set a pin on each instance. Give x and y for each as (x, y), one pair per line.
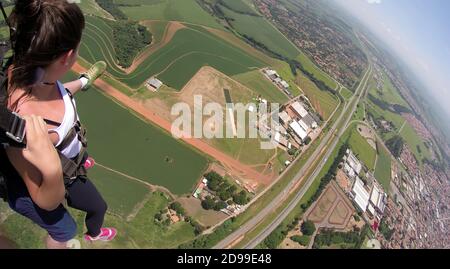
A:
(220, 205)
(208, 203)
(302, 240)
(240, 198)
(292, 151)
(308, 227)
(178, 208)
(224, 195)
(307, 140)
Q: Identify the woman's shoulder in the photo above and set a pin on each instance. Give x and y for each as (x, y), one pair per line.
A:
(17, 101)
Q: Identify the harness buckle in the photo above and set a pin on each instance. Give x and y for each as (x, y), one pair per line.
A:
(17, 128)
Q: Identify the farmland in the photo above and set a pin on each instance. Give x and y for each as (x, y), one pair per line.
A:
(120, 193)
(112, 127)
(175, 63)
(171, 10)
(256, 80)
(262, 31)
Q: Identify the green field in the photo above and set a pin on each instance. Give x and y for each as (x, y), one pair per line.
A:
(120, 193)
(362, 149)
(388, 92)
(262, 31)
(383, 169)
(124, 142)
(170, 10)
(346, 93)
(257, 81)
(241, 6)
(323, 101)
(176, 63)
(157, 28)
(415, 142)
(359, 113)
(313, 69)
(92, 8)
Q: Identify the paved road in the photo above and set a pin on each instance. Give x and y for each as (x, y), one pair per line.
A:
(285, 212)
(248, 226)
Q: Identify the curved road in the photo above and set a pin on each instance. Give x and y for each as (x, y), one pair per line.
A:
(251, 224)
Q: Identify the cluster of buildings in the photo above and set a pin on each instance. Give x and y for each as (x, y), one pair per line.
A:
(420, 213)
(273, 76)
(297, 121)
(366, 193)
(201, 192)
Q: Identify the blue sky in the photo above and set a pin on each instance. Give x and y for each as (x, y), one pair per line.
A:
(419, 31)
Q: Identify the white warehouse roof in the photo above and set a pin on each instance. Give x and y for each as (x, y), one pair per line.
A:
(299, 109)
(299, 131)
(361, 195)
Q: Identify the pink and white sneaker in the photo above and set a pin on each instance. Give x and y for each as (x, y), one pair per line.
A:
(106, 235)
(89, 163)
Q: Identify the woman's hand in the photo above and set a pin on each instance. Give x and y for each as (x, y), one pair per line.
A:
(40, 151)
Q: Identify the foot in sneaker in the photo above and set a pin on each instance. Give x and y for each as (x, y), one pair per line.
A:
(106, 235)
(93, 73)
(89, 163)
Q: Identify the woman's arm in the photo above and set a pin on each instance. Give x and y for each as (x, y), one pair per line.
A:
(73, 86)
(39, 165)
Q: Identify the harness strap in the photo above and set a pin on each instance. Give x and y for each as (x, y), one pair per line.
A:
(73, 168)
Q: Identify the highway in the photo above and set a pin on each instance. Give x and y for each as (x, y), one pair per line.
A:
(283, 195)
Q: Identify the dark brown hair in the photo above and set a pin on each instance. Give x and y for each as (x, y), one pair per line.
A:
(42, 30)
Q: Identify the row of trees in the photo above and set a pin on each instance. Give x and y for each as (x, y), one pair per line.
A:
(129, 39)
(353, 239)
(328, 176)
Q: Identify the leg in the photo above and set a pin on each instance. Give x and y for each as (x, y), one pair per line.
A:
(58, 223)
(84, 196)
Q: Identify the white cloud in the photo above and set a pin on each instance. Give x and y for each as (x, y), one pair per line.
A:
(374, 1)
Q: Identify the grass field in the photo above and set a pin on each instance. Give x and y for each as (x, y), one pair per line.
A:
(239, 5)
(359, 113)
(169, 10)
(262, 31)
(407, 132)
(388, 92)
(383, 169)
(157, 28)
(323, 101)
(346, 93)
(415, 143)
(175, 63)
(92, 8)
(255, 80)
(319, 74)
(362, 149)
(120, 193)
(122, 141)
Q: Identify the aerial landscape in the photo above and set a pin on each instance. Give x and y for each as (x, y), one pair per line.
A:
(360, 148)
